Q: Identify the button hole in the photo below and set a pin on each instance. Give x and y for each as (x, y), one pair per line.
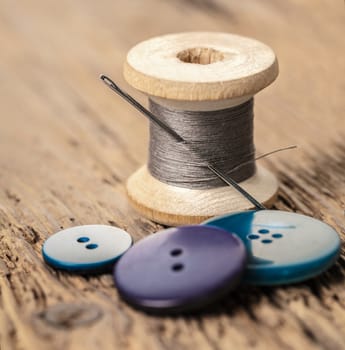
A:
(91, 246)
(177, 267)
(252, 236)
(176, 252)
(83, 239)
(266, 241)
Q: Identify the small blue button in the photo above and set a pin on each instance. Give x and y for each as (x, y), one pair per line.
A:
(86, 249)
(283, 247)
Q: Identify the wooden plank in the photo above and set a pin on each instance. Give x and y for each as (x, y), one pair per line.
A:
(68, 145)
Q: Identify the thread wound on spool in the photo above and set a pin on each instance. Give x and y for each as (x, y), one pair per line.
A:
(223, 137)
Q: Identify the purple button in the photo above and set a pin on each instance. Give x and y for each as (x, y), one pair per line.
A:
(180, 269)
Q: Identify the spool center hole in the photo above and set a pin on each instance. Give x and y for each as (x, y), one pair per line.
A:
(200, 55)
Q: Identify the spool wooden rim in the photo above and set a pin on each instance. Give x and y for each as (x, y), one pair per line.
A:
(171, 205)
(200, 66)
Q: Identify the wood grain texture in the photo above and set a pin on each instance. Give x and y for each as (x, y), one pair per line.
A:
(67, 146)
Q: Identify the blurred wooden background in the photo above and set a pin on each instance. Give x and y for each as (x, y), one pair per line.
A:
(67, 145)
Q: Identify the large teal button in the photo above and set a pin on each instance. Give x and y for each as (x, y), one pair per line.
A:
(282, 247)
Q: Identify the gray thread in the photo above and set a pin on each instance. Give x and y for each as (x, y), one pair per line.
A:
(226, 179)
(223, 137)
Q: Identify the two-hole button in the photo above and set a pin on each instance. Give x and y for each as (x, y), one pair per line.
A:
(86, 249)
(180, 268)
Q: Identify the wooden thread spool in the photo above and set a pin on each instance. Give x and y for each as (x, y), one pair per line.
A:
(198, 71)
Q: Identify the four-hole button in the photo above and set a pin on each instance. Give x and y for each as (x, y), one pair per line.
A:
(263, 231)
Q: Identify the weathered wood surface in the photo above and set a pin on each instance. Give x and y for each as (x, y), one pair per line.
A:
(67, 146)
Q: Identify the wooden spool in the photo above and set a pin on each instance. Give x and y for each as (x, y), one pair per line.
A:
(198, 71)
